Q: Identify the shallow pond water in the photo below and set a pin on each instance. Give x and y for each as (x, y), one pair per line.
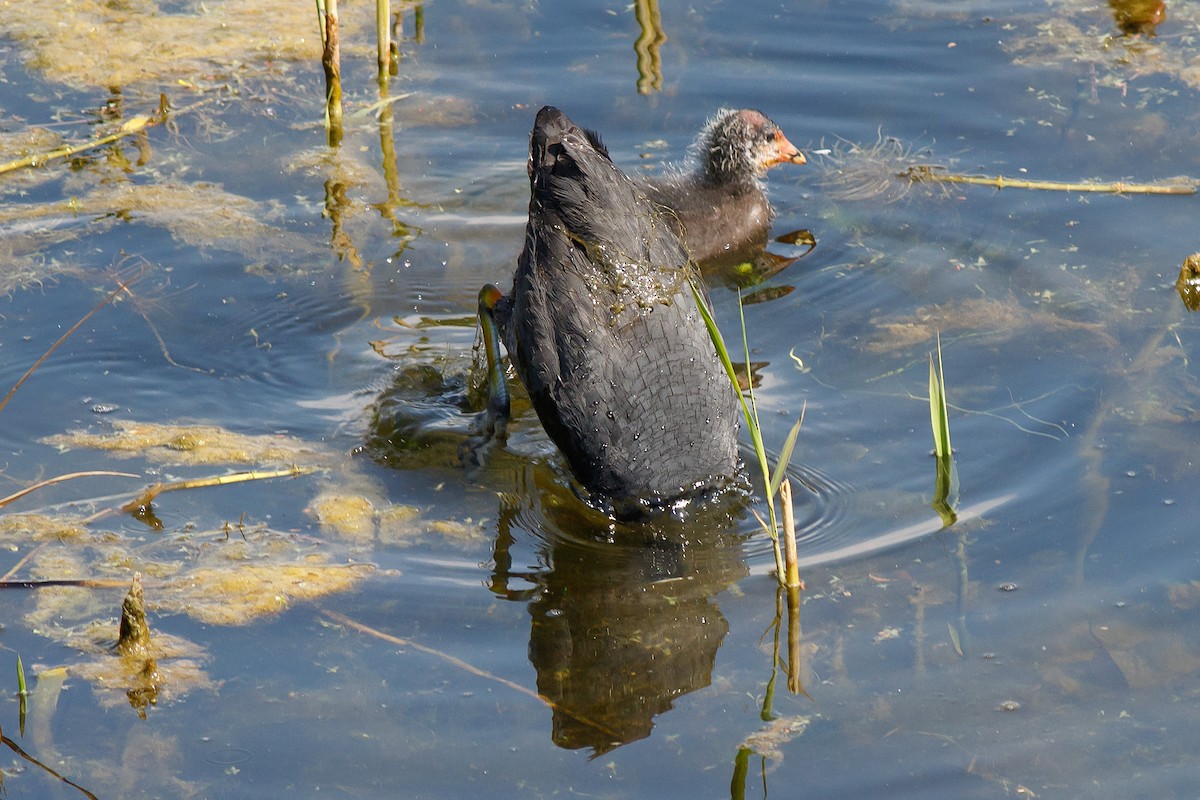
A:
(386, 624)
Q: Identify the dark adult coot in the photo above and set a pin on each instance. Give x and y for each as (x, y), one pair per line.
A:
(603, 329)
(721, 201)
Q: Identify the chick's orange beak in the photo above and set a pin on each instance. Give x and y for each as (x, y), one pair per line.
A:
(786, 151)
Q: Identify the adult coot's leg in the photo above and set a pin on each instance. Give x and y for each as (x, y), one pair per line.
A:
(495, 418)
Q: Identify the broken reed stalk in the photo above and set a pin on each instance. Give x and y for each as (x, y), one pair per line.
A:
(147, 497)
(62, 339)
(928, 174)
(383, 39)
(133, 636)
(331, 62)
(790, 559)
(133, 125)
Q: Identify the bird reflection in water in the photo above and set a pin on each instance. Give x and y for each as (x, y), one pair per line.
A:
(623, 617)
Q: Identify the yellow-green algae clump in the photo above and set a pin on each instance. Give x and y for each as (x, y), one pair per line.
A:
(189, 444)
(107, 44)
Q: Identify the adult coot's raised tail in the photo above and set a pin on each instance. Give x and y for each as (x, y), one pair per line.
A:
(602, 328)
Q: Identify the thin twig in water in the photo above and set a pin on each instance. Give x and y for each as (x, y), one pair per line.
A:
(59, 479)
(62, 339)
(16, 748)
(158, 337)
(85, 583)
(342, 619)
(24, 560)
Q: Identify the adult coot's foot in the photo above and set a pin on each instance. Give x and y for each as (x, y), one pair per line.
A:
(721, 201)
(603, 329)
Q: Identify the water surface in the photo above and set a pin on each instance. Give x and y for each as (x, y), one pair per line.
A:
(318, 303)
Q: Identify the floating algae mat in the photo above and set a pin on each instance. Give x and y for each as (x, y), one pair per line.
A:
(115, 44)
(189, 444)
(227, 575)
(1079, 35)
(197, 574)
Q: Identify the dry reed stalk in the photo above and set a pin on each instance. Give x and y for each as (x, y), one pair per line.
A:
(331, 62)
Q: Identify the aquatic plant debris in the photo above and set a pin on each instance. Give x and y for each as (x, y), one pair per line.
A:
(769, 740)
(93, 43)
(181, 445)
(363, 520)
(208, 576)
(923, 172)
(1076, 35)
(130, 126)
(238, 594)
(1003, 319)
(18, 529)
(199, 214)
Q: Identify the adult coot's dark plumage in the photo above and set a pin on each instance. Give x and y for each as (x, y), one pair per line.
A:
(720, 201)
(603, 330)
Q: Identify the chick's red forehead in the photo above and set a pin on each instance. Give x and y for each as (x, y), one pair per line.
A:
(753, 118)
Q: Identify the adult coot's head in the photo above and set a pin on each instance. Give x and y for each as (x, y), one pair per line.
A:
(603, 329)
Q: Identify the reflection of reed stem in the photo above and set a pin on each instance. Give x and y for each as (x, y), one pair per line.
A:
(918, 601)
(331, 62)
(11, 745)
(387, 148)
(335, 207)
(964, 586)
(766, 714)
(652, 37)
(419, 23)
(795, 663)
(741, 768)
